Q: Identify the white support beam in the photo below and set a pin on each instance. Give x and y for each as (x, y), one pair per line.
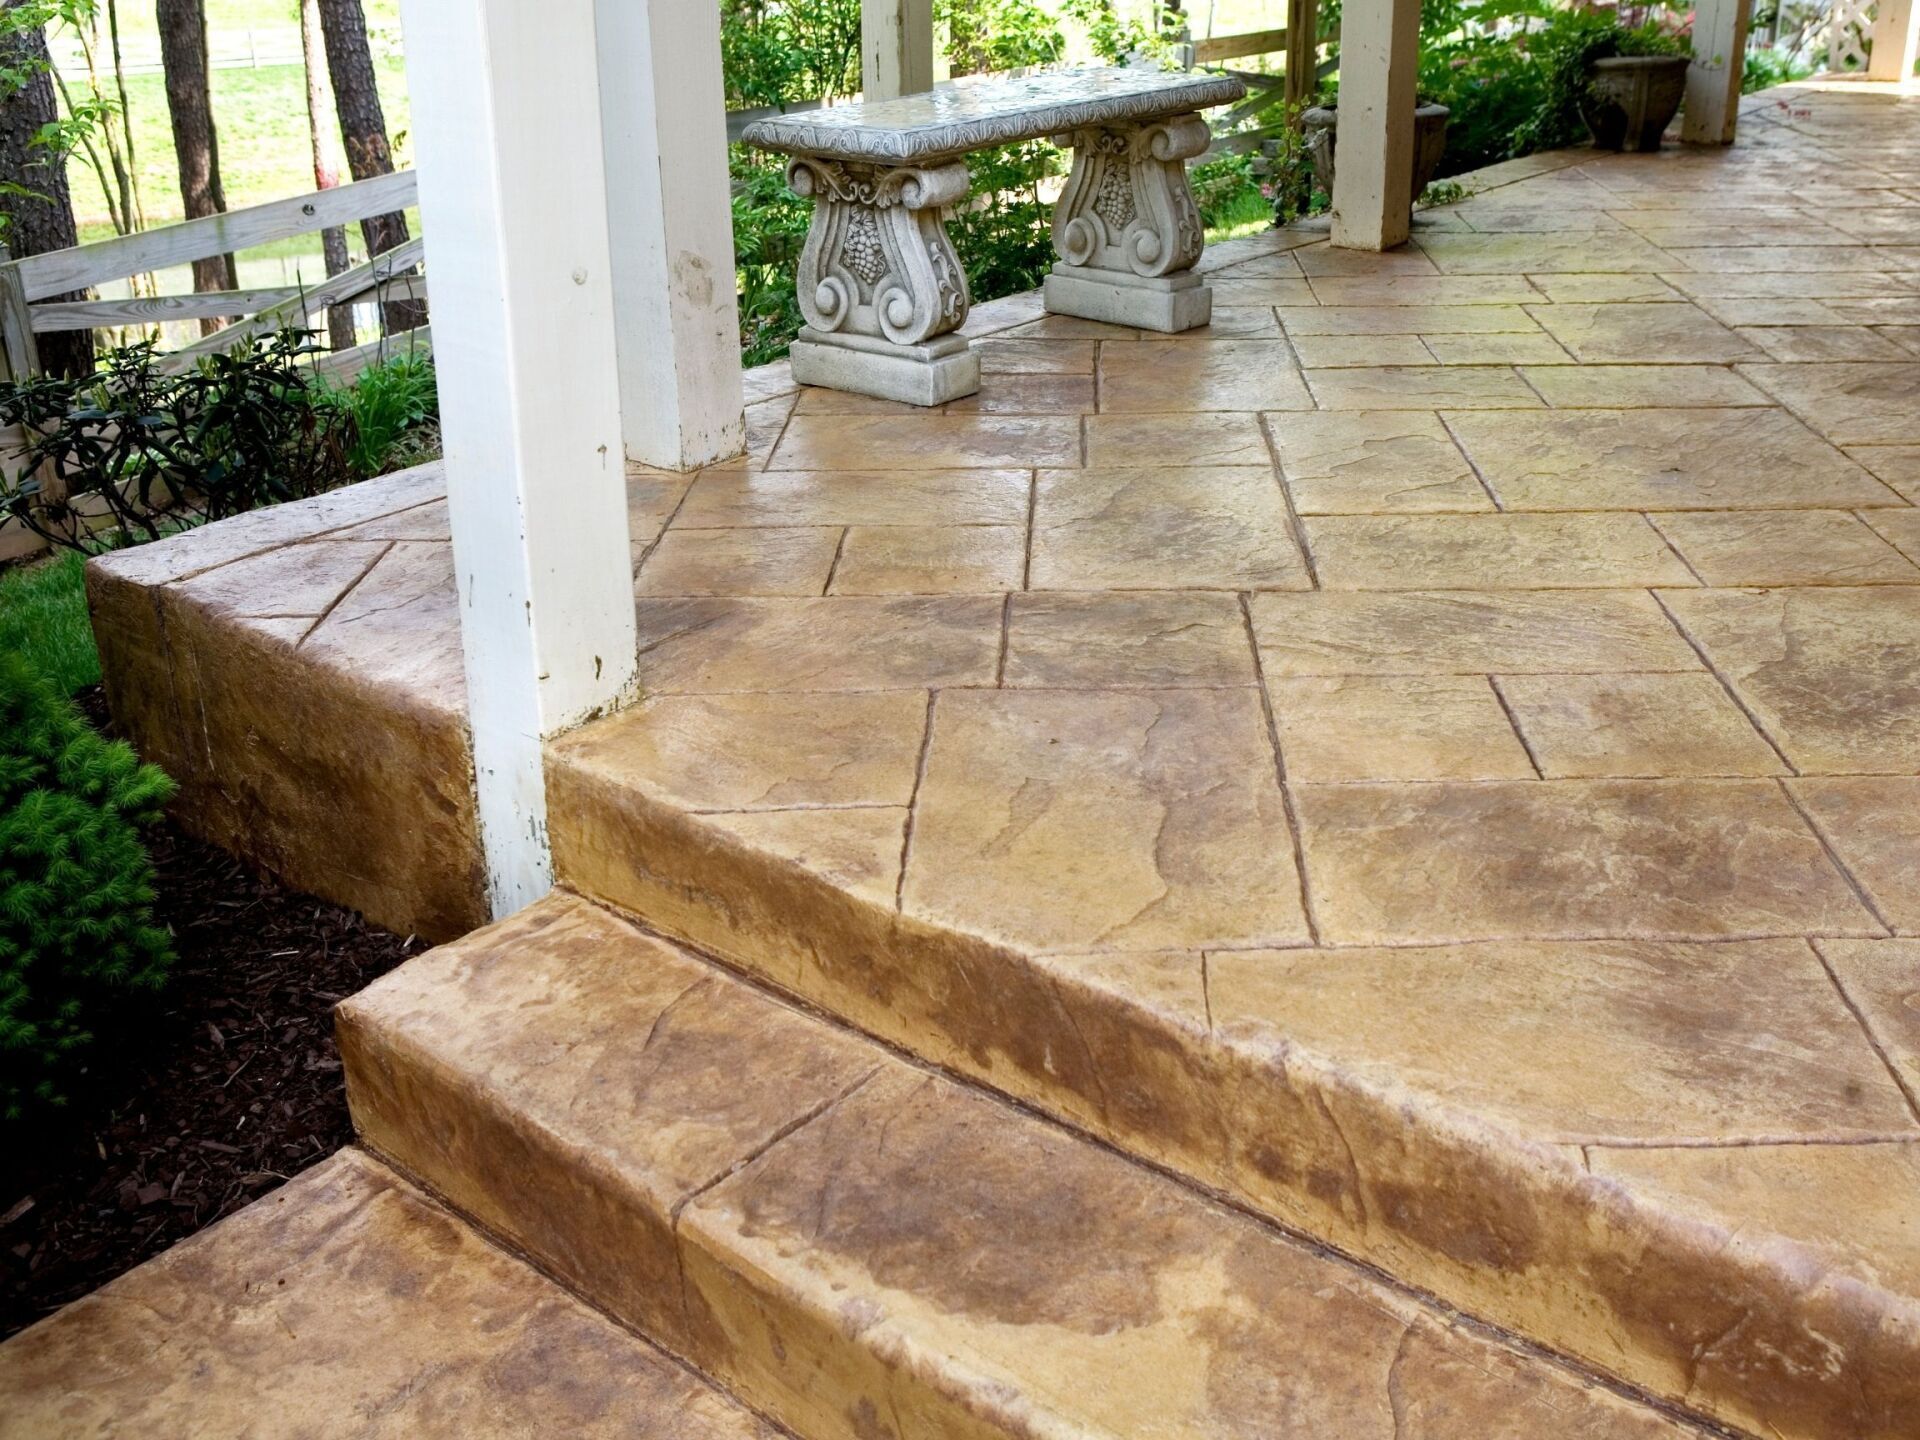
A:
(1895, 45)
(1713, 79)
(1373, 155)
(506, 126)
(896, 48)
(663, 113)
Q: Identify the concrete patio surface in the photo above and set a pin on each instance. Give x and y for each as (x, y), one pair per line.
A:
(1433, 757)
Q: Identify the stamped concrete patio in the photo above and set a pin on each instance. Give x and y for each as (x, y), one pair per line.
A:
(1434, 757)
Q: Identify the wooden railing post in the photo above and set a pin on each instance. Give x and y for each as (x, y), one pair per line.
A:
(17, 346)
(896, 48)
(1303, 50)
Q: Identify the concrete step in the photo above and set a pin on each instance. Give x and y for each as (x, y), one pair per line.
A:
(1689, 1164)
(347, 1304)
(859, 1247)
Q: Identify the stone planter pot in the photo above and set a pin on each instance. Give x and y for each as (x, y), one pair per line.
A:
(1319, 125)
(1631, 99)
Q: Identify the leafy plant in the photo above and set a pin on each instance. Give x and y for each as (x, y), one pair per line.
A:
(77, 938)
(982, 35)
(119, 456)
(390, 406)
(1565, 51)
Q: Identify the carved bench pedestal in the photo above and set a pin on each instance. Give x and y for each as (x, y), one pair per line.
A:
(879, 284)
(1127, 229)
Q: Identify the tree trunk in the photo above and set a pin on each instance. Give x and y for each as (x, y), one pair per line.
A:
(322, 136)
(183, 55)
(43, 220)
(356, 94)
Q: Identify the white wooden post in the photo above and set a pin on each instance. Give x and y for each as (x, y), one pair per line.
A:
(663, 111)
(1373, 153)
(896, 48)
(1896, 40)
(1713, 79)
(506, 125)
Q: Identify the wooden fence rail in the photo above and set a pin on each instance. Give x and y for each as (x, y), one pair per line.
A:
(26, 284)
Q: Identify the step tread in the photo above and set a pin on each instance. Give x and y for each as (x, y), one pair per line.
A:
(347, 1303)
(1692, 1162)
(860, 1247)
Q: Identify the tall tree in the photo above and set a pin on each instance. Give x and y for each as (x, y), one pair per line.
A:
(324, 139)
(356, 95)
(33, 178)
(183, 55)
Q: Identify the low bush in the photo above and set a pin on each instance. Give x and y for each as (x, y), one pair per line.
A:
(395, 410)
(77, 938)
(131, 451)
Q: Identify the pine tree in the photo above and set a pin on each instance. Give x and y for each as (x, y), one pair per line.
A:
(76, 885)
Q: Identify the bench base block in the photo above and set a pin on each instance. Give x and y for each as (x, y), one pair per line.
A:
(1168, 304)
(930, 373)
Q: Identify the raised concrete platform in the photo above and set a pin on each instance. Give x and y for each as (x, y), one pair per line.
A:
(347, 1304)
(860, 1247)
(1432, 756)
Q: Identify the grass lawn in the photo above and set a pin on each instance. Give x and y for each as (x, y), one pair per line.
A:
(43, 615)
(261, 118)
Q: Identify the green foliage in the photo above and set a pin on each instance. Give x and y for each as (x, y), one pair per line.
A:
(1770, 66)
(773, 52)
(394, 414)
(43, 617)
(1113, 39)
(1004, 233)
(1564, 52)
(982, 35)
(1476, 62)
(119, 456)
(77, 938)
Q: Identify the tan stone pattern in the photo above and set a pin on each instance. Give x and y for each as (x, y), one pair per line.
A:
(1437, 706)
(806, 1193)
(348, 1303)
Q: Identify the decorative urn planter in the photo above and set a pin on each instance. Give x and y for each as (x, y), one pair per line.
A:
(1320, 124)
(1631, 99)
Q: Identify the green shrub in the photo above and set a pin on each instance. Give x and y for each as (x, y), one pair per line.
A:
(77, 937)
(131, 452)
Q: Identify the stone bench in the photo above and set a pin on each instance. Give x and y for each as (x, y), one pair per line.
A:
(880, 286)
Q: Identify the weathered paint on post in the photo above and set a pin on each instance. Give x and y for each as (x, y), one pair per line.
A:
(506, 121)
(1379, 64)
(1895, 44)
(663, 117)
(1712, 107)
(896, 48)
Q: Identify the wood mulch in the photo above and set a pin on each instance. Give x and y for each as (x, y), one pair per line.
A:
(227, 1087)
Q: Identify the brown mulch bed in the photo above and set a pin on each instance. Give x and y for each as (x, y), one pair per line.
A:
(229, 1087)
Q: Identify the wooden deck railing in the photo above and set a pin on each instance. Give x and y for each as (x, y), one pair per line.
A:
(27, 285)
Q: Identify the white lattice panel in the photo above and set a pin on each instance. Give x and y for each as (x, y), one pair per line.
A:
(1848, 33)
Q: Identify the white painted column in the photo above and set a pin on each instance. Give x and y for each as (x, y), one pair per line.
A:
(506, 126)
(1895, 45)
(1373, 155)
(663, 111)
(896, 48)
(1713, 79)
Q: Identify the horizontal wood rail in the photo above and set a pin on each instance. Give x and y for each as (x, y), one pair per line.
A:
(26, 284)
(1216, 48)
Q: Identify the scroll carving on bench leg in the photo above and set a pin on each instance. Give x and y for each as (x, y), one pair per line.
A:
(1127, 229)
(880, 286)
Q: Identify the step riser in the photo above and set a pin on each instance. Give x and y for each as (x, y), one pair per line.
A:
(1522, 1235)
(859, 1249)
